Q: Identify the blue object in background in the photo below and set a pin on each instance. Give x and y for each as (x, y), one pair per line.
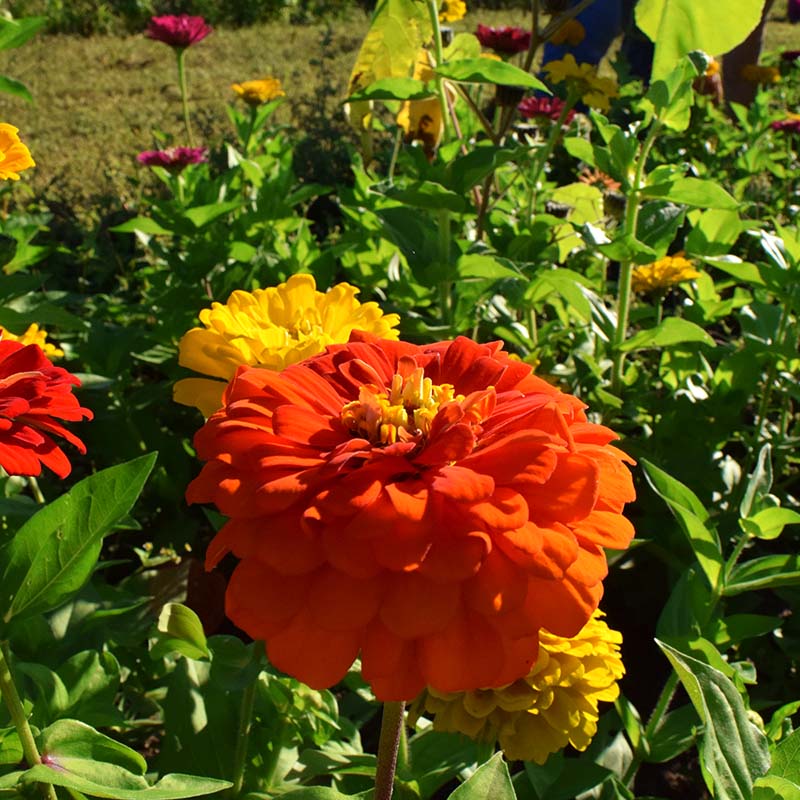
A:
(603, 22)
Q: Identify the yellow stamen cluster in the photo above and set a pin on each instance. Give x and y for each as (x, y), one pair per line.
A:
(554, 705)
(403, 414)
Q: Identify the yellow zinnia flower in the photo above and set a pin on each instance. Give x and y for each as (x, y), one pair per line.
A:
(14, 155)
(34, 335)
(271, 328)
(712, 69)
(594, 90)
(662, 274)
(452, 10)
(554, 705)
(254, 93)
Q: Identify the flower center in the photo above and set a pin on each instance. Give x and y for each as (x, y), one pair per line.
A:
(404, 413)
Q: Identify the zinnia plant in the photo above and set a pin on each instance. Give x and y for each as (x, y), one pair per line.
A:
(33, 334)
(34, 397)
(271, 328)
(254, 93)
(663, 274)
(179, 32)
(791, 124)
(555, 704)
(429, 508)
(540, 108)
(14, 155)
(452, 10)
(583, 80)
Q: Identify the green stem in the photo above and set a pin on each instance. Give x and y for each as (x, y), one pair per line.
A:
(445, 286)
(398, 139)
(391, 726)
(180, 53)
(243, 737)
(438, 51)
(17, 712)
(251, 126)
(626, 267)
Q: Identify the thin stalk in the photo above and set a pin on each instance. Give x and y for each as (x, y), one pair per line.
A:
(438, 52)
(398, 139)
(17, 712)
(252, 124)
(626, 267)
(35, 490)
(445, 286)
(485, 123)
(242, 738)
(391, 726)
(180, 52)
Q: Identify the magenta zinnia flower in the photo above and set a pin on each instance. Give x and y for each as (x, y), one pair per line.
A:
(790, 125)
(544, 108)
(790, 55)
(179, 30)
(506, 39)
(173, 158)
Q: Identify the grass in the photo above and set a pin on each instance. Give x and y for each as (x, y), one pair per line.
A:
(98, 100)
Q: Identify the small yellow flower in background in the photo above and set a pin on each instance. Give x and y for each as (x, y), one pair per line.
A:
(758, 74)
(712, 69)
(34, 335)
(571, 33)
(554, 705)
(452, 10)
(662, 274)
(594, 90)
(14, 155)
(271, 328)
(254, 93)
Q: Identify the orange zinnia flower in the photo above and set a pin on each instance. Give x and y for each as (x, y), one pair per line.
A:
(429, 507)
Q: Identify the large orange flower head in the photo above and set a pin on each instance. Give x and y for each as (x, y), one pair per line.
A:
(427, 507)
(34, 397)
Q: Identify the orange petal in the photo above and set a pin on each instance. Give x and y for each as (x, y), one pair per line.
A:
(605, 528)
(505, 510)
(459, 483)
(415, 606)
(570, 493)
(314, 655)
(455, 558)
(390, 664)
(339, 602)
(499, 585)
(306, 427)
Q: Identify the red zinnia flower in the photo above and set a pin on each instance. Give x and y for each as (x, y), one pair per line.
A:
(544, 108)
(179, 30)
(790, 55)
(34, 395)
(429, 507)
(791, 124)
(506, 39)
(173, 158)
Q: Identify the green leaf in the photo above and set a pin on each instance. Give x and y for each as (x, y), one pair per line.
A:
(323, 793)
(393, 89)
(691, 516)
(430, 195)
(489, 267)
(735, 751)
(679, 26)
(693, 192)
(15, 32)
(74, 746)
(675, 735)
(771, 787)
(55, 551)
(469, 170)
(628, 248)
(487, 70)
(179, 630)
(141, 225)
(658, 224)
(768, 572)
(118, 785)
(714, 231)
(200, 216)
(15, 87)
(759, 482)
(489, 780)
(770, 522)
(672, 331)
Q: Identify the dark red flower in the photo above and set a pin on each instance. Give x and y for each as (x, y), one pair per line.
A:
(173, 158)
(34, 395)
(427, 507)
(506, 39)
(794, 10)
(790, 55)
(790, 125)
(544, 108)
(179, 30)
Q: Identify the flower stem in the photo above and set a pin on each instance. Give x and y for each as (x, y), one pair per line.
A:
(445, 286)
(433, 11)
(391, 726)
(626, 267)
(35, 490)
(243, 736)
(250, 127)
(15, 709)
(180, 53)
